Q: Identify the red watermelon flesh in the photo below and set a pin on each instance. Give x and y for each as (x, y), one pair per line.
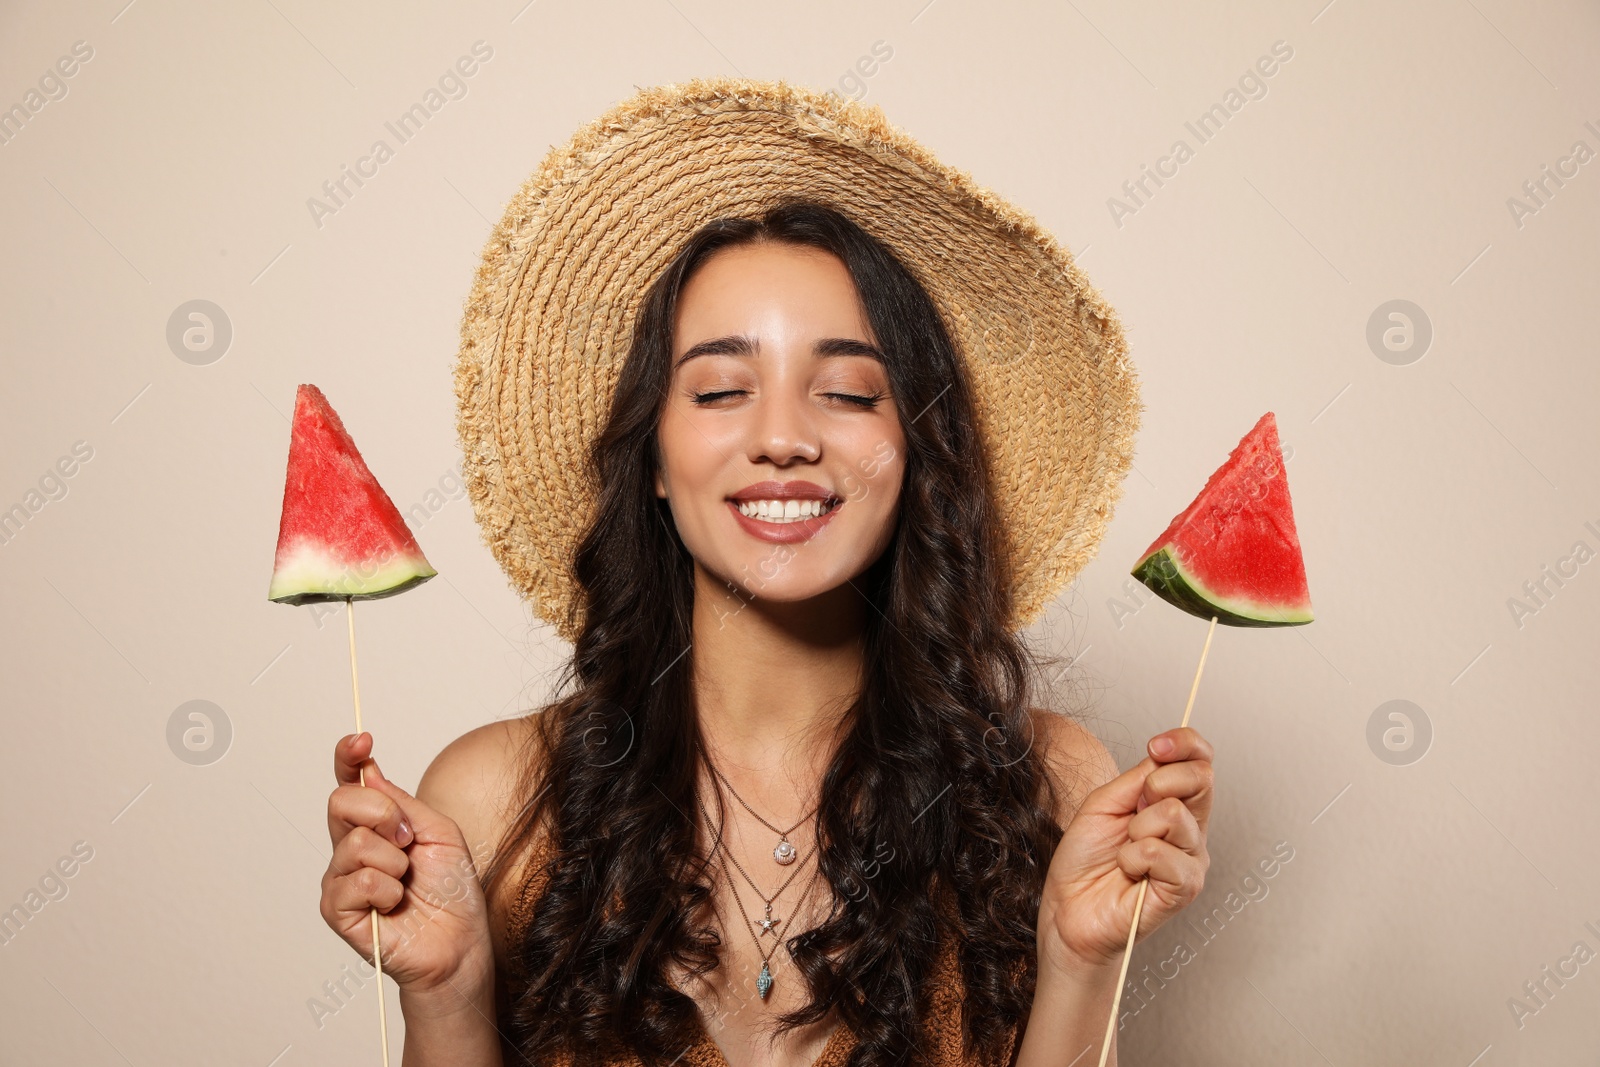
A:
(1234, 552)
(340, 536)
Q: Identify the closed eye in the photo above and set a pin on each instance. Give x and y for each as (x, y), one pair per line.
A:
(706, 398)
(861, 401)
(871, 401)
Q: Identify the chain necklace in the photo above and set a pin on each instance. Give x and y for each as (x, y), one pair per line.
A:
(768, 924)
(785, 853)
(764, 979)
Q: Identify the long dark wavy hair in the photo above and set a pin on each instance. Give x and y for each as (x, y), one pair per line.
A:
(934, 824)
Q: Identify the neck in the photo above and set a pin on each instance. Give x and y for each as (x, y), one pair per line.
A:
(773, 684)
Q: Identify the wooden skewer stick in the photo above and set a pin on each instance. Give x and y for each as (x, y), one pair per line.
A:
(377, 956)
(1144, 884)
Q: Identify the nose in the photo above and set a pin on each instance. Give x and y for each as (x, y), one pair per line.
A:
(783, 432)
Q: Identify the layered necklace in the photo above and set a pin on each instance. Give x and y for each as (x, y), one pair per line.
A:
(784, 854)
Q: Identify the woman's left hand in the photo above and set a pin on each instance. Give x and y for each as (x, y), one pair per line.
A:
(1150, 820)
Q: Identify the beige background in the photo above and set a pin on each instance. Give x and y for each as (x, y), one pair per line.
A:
(1377, 166)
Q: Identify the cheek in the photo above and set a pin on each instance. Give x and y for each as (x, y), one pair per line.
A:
(687, 457)
(876, 473)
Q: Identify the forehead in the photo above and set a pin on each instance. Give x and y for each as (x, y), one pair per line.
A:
(773, 292)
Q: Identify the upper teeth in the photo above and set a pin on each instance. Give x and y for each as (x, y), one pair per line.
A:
(782, 510)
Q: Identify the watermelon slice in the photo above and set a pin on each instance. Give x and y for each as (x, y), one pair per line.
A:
(1234, 553)
(340, 536)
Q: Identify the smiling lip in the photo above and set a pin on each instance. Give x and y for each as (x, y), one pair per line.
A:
(791, 490)
(782, 533)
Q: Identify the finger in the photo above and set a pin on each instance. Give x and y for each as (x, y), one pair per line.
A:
(1190, 781)
(361, 891)
(1172, 821)
(350, 806)
(362, 847)
(347, 756)
(1181, 874)
(428, 824)
(1186, 743)
(1118, 796)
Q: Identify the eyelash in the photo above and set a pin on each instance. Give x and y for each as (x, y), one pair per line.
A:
(864, 402)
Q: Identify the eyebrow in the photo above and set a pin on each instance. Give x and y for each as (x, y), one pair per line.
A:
(744, 345)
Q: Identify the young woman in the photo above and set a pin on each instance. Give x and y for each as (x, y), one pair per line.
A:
(799, 802)
(799, 799)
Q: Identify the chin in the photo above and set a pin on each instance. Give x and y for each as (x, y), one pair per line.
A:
(782, 587)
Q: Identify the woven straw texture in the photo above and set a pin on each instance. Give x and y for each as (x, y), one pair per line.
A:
(547, 323)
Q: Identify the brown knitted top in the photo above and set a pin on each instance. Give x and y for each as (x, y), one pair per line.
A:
(943, 1021)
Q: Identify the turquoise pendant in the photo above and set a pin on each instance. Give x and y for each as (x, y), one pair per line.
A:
(764, 981)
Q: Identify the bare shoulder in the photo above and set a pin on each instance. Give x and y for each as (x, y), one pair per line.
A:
(478, 780)
(1077, 759)
(475, 780)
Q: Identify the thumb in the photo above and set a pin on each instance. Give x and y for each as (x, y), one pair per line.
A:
(1120, 796)
(426, 823)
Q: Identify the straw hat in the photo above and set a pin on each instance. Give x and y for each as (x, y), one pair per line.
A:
(547, 324)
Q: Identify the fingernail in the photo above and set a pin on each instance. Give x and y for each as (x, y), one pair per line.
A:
(1161, 746)
(405, 832)
(1141, 805)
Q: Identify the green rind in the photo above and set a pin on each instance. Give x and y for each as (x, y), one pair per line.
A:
(1164, 575)
(320, 596)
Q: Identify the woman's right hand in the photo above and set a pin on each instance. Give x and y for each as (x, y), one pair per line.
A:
(395, 853)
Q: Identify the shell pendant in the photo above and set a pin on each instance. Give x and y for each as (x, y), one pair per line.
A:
(784, 853)
(764, 981)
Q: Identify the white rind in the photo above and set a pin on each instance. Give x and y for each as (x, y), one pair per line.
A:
(1185, 584)
(309, 567)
